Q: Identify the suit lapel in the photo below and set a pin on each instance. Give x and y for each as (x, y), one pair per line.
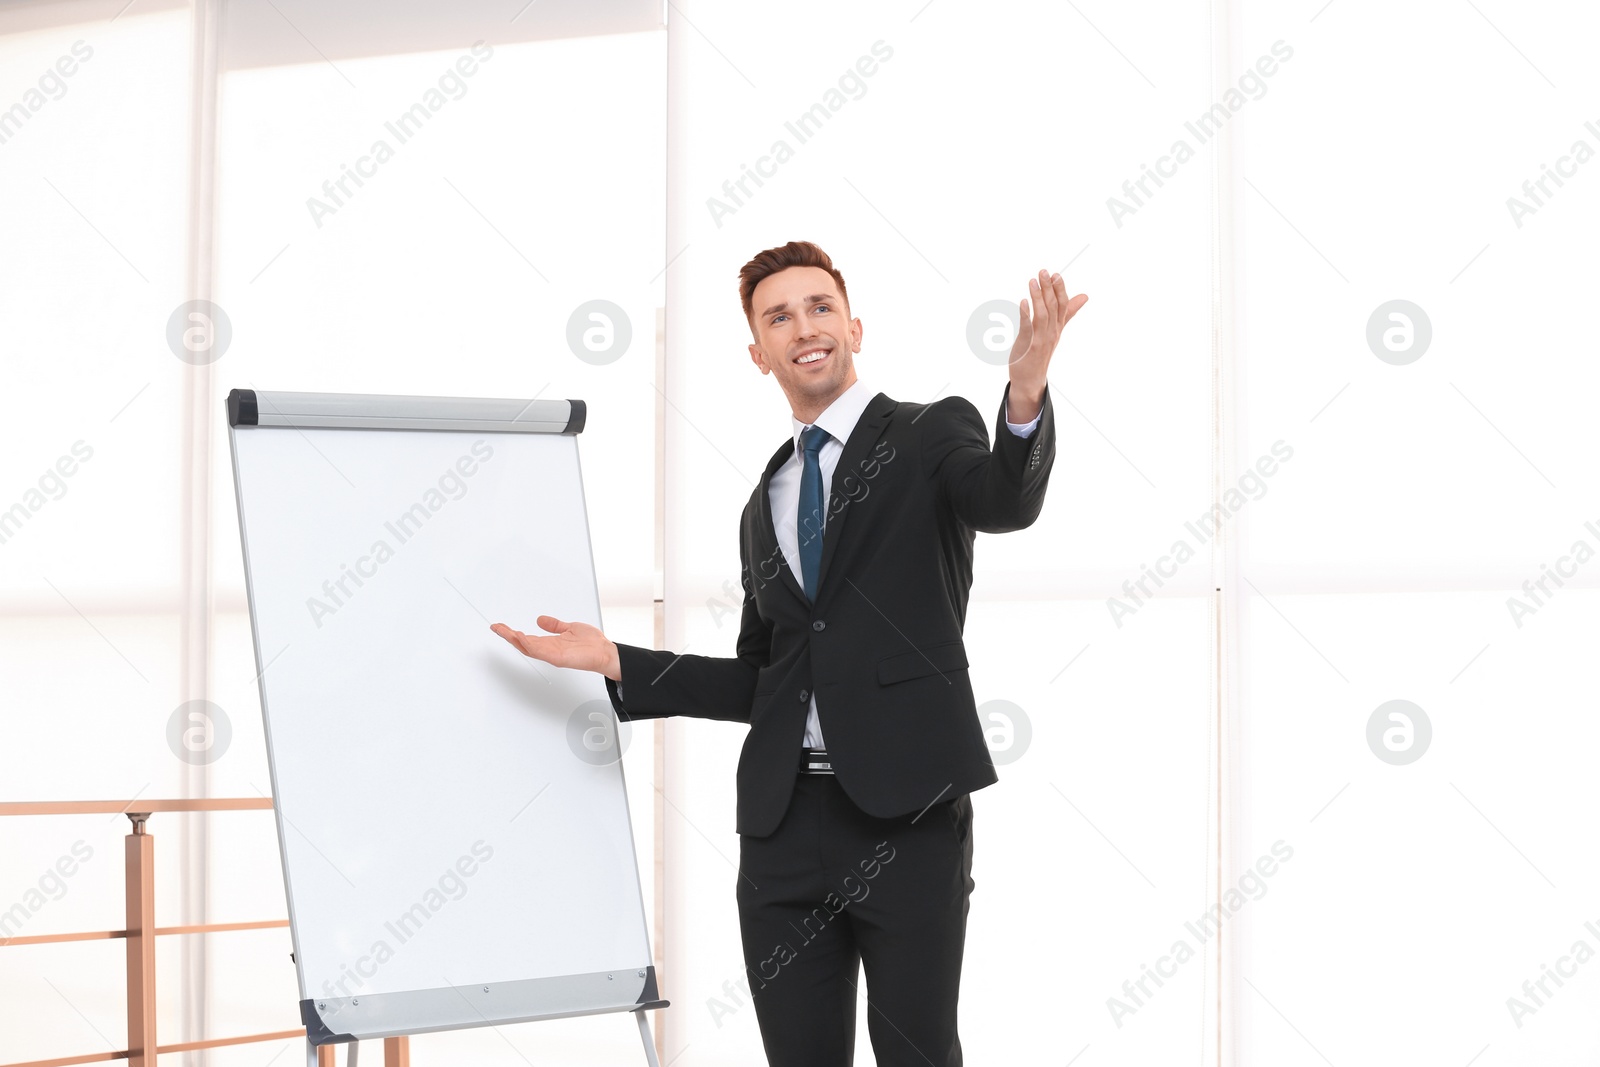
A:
(867, 430)
(866, 433)
(767, 535)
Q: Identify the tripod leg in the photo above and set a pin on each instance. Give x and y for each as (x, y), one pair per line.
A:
(648, 1039)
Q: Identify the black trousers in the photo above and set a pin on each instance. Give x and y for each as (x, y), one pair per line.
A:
(833, 890)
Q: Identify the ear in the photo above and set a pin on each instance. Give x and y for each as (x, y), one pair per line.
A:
(759, 358)
(855, 335)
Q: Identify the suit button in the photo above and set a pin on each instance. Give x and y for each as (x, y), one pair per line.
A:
(819, 626)
(805, 694)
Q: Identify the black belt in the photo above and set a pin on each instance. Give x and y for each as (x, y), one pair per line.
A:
(815, 761)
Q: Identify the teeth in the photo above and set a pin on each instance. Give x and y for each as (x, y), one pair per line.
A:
(812, 358)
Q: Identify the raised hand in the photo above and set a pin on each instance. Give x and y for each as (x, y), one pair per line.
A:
(1038, 332)
(574, 644)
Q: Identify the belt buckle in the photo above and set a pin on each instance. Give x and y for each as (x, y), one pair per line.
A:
(815, 761)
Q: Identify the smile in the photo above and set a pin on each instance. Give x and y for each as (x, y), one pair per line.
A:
(812, 357)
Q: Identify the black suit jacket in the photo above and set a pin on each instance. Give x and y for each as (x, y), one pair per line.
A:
(882, 646)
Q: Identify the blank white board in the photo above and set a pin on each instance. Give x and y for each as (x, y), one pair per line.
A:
(452, 815)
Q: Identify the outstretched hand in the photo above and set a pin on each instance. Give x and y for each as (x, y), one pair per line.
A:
(1038, 333)
(574, 644)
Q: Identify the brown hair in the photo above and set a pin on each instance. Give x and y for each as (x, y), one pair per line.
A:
(771, 261)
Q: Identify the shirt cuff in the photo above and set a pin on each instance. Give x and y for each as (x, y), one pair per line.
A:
(1022, 429)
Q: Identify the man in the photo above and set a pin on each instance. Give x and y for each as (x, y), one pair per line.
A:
(854, 820)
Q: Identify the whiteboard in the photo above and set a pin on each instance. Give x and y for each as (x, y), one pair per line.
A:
(451, 814)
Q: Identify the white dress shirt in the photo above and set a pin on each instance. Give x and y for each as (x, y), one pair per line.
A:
(783, 491)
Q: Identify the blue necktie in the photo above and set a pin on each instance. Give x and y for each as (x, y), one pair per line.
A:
(809, 518)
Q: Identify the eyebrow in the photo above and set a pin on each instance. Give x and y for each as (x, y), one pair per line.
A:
(812, 299)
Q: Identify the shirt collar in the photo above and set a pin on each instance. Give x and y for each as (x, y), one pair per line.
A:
(840, 417)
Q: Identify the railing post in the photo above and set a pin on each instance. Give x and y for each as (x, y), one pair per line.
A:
(140, 856)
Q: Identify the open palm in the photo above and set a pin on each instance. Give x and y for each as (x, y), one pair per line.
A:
(571, 644)
(1039, 328)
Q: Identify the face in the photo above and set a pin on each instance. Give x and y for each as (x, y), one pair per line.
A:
(799, 312)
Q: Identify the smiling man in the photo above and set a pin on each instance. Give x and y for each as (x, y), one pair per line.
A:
(853, 814)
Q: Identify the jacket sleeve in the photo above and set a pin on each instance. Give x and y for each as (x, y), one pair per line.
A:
(993, 490)
(659, 683)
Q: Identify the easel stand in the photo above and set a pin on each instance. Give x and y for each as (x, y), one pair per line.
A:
(420, 633)
(397, 1050)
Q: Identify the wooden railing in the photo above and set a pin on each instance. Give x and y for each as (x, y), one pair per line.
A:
(141, 932)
